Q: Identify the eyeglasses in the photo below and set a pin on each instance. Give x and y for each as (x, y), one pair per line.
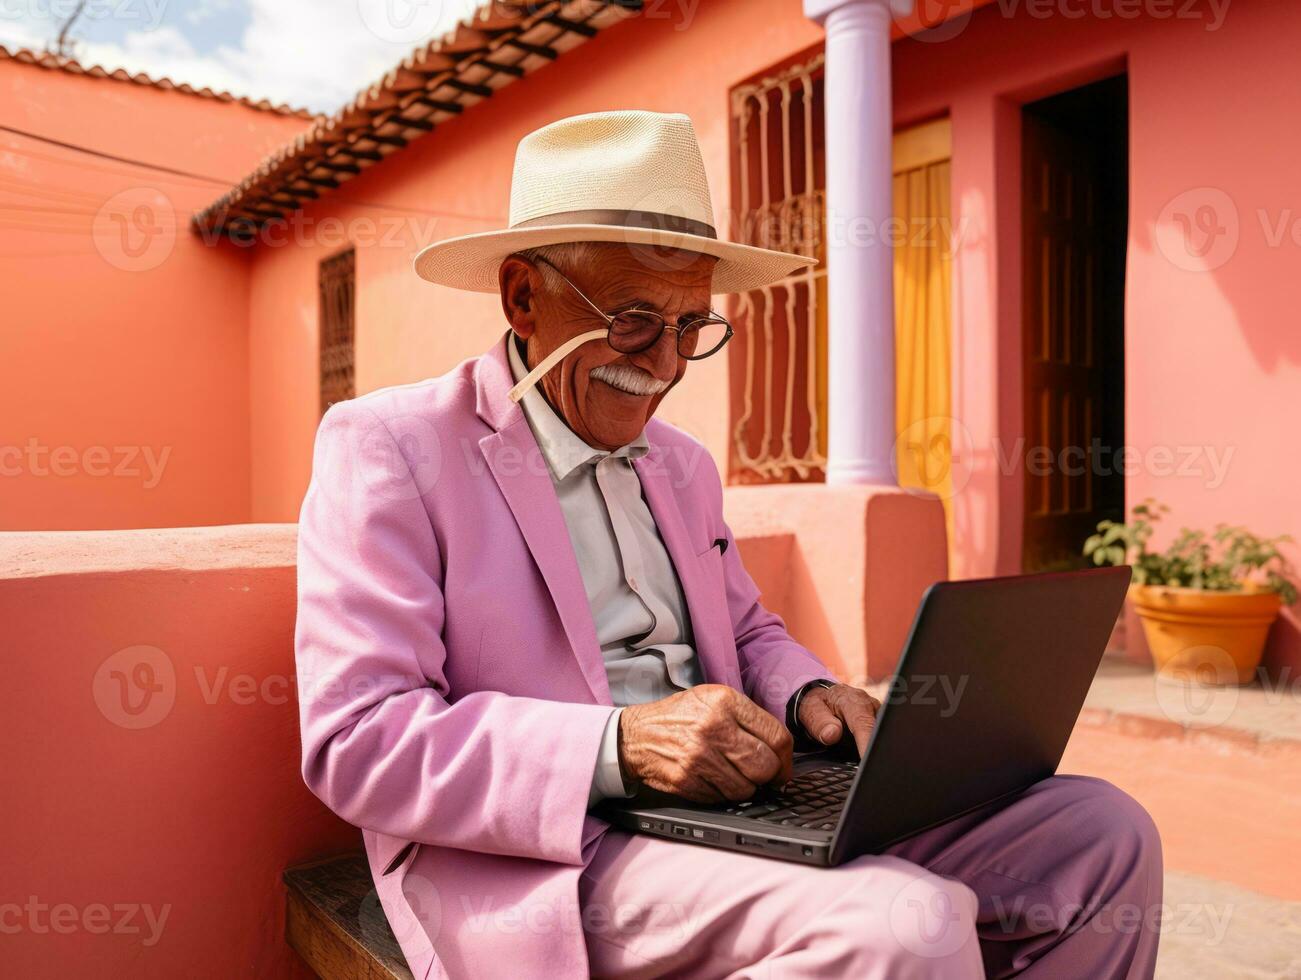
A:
(634, 331)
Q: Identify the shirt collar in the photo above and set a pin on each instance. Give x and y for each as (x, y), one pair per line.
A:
(561, 448)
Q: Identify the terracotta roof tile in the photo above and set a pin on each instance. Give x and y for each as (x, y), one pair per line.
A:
(501, 42)
(45, 59)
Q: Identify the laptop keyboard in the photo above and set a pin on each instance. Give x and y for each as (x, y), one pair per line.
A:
(812, 800)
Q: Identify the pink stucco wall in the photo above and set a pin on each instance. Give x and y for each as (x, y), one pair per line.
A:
(152, 793)
(123, 350)
(1213, 363)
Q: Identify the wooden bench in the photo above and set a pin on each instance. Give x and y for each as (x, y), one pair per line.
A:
(334, 921)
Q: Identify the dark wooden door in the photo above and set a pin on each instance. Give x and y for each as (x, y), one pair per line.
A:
(1074, 230)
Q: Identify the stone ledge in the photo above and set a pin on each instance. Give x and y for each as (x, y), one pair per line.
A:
(41, 554)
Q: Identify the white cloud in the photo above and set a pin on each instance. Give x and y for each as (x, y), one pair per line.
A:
(207, 10)
(316, 55)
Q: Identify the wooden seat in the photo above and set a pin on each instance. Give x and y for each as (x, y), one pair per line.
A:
(334, 921)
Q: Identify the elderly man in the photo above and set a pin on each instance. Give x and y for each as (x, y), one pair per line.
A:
(518, 597)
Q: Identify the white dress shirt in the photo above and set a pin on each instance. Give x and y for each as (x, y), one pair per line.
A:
(633, 591)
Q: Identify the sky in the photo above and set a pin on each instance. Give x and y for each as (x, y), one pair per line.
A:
(315, 54)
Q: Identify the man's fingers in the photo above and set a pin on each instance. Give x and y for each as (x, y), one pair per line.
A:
(819, 720)
(858, 710)
(768, 730)
(761, 725)
(753, 758)
(692, 787)
(730, 782)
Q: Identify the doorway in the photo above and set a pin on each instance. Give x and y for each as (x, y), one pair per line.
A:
(1075, 214)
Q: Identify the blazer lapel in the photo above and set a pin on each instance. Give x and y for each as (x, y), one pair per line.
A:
(517, 466)
(516, 463)
(708, 611)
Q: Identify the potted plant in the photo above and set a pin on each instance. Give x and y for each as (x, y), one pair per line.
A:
(1207, 601)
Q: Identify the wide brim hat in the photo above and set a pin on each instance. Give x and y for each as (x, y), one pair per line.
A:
(629, 177)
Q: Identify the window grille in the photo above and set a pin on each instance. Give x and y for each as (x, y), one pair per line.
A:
(778, 358)
(338, 294)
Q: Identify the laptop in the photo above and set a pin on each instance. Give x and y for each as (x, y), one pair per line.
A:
(987, 691)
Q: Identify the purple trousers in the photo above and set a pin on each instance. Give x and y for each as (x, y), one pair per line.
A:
(1062, 882)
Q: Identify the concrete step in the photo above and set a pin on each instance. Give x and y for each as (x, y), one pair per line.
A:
(1261, 714)
(1217, 931)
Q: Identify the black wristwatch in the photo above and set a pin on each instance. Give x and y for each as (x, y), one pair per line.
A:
(804, 742)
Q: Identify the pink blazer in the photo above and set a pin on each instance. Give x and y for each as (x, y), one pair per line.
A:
(452, 691)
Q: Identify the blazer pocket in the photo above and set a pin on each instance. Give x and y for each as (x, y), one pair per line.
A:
(400, 858)
(710, 562)
(718, 547)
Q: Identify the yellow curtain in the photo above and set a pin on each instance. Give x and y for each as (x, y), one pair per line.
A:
(922, 271)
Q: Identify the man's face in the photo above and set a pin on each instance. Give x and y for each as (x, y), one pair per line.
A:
(611, 409)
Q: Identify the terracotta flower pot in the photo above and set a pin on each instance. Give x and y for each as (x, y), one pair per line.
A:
(1207, 637)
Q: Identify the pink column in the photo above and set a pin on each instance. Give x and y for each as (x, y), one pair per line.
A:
(860, 273)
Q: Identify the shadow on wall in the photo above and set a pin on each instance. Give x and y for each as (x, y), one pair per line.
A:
(1214, 371)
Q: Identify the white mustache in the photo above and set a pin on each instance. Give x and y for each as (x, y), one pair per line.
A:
(627, 378)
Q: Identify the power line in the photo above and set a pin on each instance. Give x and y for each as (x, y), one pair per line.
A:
(114, 157)
(343, 198)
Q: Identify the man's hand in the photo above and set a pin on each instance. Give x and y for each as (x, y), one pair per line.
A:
(709, 743)
(825, 711)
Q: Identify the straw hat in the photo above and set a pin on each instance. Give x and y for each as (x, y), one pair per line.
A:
(627, 176)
